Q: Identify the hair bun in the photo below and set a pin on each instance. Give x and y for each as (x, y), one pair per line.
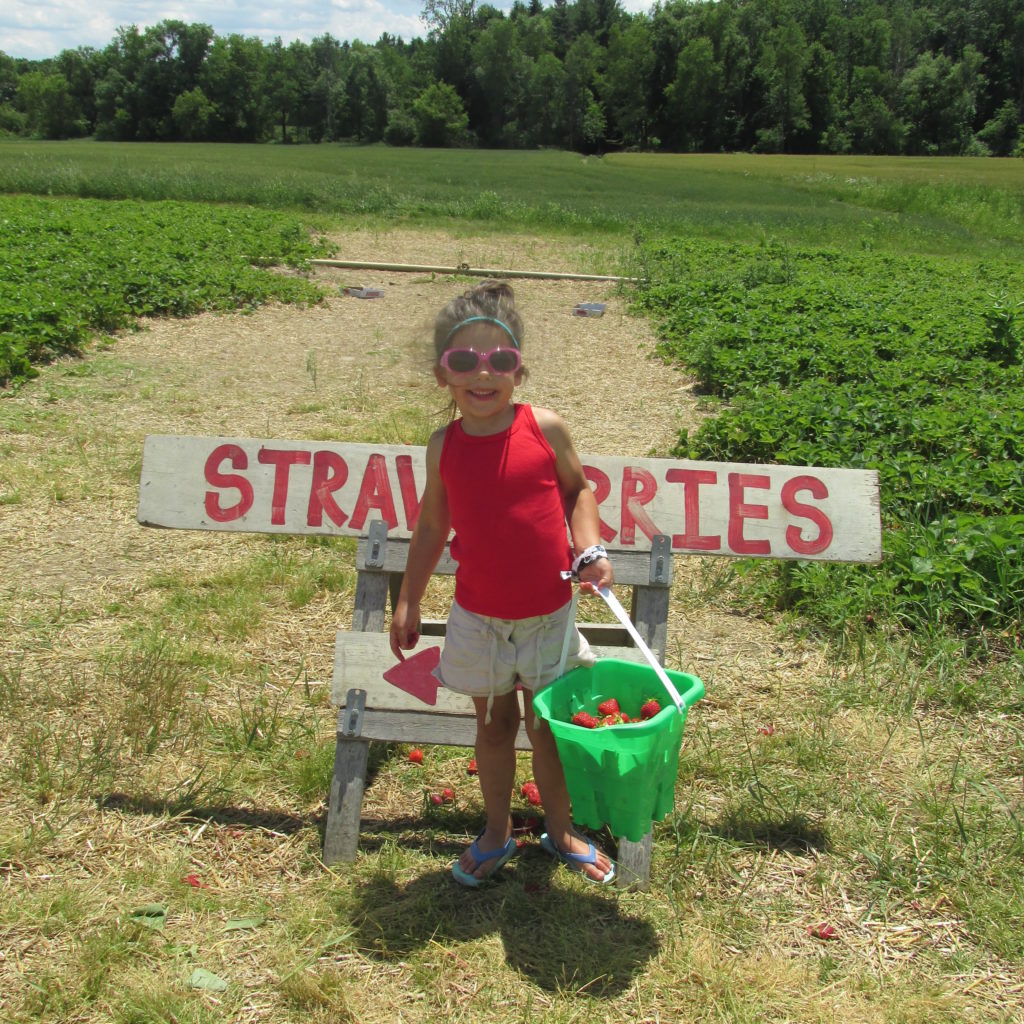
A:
(498, 290)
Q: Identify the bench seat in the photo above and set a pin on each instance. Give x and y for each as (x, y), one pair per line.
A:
(392, 715)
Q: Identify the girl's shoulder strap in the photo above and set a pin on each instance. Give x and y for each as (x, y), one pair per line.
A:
(539, 422)
(449, 433)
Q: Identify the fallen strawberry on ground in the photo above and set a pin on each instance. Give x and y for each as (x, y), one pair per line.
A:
(531, 792)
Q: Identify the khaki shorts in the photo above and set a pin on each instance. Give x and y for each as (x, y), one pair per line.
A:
(486, 657)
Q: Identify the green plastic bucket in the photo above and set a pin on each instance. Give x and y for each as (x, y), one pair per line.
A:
(622, 776)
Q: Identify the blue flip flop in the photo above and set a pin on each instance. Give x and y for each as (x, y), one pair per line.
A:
(577, 860)
(500, 856)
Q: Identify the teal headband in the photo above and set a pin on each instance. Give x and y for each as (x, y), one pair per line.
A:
(481, 319)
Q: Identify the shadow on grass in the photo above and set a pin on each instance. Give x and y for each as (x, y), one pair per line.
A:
(275, 821)
(557, 931)
(792, 833)
(563, 937)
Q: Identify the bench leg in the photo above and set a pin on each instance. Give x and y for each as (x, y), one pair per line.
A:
(345, 808)
(634, 863)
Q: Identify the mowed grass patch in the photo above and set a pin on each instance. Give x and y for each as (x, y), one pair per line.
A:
(196, 787)
(838, 819)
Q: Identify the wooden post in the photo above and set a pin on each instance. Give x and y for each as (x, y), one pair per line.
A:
(345, 806)
(649, 613)
(633, 863)
(371, 602)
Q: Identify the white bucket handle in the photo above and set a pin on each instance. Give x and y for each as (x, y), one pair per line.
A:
(620, 613)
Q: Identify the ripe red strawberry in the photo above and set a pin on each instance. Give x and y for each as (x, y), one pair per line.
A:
(584, 718)
(436, 799)
(471, 767)
(416, 756)
(625, 718)
(611, 720)
(650, 709)
(532, 793)
(608, 707)
(448, 794)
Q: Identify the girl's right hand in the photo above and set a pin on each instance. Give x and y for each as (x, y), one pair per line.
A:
(596, 575)
(405, 628)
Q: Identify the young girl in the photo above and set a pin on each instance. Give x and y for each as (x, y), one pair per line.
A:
(507, 479)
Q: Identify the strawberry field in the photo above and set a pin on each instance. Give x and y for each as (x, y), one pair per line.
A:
(75, 268)
(910, 365)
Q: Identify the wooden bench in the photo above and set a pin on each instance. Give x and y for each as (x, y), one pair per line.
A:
(372, 709)
(651, 509)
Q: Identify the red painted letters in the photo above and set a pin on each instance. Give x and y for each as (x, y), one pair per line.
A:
(375, 492)
(602, 488)
(805, 529)
(217, 479)
(407, 483)
(282, 459)
(739, 511)
(691, 479)
(638, 489)
(797, 508)
(330, 472)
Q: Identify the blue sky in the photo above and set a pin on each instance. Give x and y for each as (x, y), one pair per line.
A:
(42, 28)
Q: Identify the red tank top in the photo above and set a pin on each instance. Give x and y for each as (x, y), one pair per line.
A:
(511, 540)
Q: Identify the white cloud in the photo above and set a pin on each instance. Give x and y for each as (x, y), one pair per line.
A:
(42, 28)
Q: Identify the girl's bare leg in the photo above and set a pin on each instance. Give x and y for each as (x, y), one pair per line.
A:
(496, 771)
(550, 779)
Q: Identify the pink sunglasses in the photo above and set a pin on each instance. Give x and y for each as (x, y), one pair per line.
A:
(502, 361)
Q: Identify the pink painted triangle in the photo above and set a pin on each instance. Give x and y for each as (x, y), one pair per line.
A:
(415, 676)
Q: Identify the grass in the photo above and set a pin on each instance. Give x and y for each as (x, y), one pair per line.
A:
(907, 205)
(166, 740)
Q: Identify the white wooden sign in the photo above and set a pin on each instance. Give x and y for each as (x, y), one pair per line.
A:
(709, 508)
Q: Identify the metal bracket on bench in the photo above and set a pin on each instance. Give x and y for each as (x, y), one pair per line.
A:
(661, 560)
(355, 707)
(378, 538)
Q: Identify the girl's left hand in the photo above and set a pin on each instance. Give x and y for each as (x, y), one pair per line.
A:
(596, 575)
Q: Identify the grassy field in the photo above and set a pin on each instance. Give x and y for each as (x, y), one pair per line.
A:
(909, 205)
(847, 843)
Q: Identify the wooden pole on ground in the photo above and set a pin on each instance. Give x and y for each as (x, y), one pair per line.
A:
(466, 270)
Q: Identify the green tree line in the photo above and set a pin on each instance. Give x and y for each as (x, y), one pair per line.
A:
(911, 77)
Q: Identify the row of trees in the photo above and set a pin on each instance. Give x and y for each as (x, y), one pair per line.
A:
(862, 76)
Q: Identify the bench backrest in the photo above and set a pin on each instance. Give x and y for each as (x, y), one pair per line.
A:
(650, 509)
